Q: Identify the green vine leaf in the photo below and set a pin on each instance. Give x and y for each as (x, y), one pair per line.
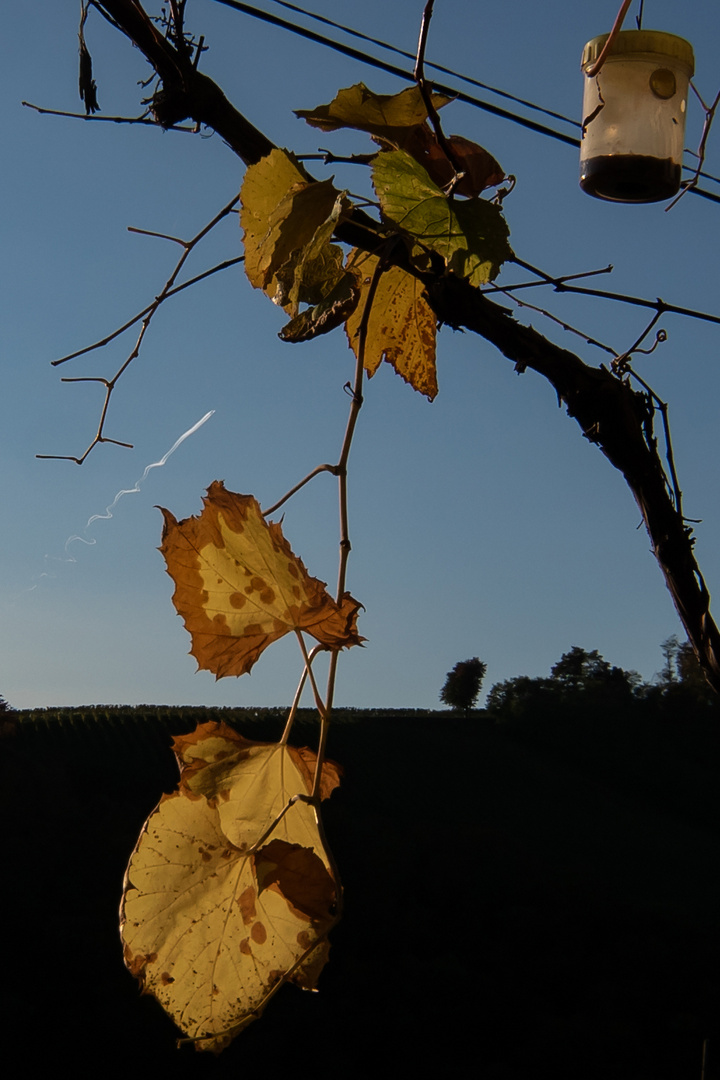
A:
(471, 235)
(401, 325)
(384, 116)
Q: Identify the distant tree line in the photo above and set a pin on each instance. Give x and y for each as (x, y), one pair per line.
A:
(585, 682)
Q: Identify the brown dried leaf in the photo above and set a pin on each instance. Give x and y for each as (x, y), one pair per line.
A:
(210, 925)
(480, 168)
(239, 587)
(401, 325)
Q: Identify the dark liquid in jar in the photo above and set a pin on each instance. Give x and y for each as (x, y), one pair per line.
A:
(630, 177)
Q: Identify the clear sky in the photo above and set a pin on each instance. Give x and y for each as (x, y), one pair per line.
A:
(482, 524)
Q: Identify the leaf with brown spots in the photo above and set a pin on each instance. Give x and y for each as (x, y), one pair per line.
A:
(219, 909)
(239, 587)
(400, 326)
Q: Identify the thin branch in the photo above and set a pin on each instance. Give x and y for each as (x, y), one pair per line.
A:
(621, 367)
(673, 484)
(426, 93)
(157, 235)
(565, 326)
(144, 119)
(298, 694)
(656, 305)
(487, 289)
(709, 117)
(322, 706)
(136, 318)
(110, 384)
(411, 56)
(289, 494)
(618, 364)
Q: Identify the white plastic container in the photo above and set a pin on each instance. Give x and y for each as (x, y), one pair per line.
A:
(634, 113)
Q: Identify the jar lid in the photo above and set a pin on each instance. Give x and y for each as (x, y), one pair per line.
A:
(653, 43)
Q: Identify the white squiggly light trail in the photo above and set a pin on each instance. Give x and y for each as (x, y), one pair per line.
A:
(128, 491)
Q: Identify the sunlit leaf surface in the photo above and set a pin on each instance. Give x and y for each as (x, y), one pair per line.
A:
(384, 116)
(218, 912)
(400, 327)
(239, 587)
(470, 234)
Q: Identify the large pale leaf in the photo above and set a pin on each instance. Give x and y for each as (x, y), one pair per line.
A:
(265, 186)
(239, 587)
(470, 234)
(217, 913)
(385, 116)
(288, 221)
(400, 328)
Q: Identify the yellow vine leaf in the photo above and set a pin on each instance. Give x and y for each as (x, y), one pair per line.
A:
(470, 234)
(287, 220)
(312, 270)
(401, 326)
(239, 587)
(223, 902)
(265, 186)
(384, 116)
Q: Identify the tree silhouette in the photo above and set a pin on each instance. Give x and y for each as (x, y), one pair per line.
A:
(462, 684)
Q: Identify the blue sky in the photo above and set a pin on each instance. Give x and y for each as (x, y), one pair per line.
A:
(482, 524)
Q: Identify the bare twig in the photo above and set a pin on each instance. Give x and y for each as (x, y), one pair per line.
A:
(563, 324)
(638, 301)
(168, 289)
(289, 494)
(298, 694)
(425, 89)
(709, 117)
(487, 289)
(144, 119)
(621, 367)
(322, 706)
(136, 318)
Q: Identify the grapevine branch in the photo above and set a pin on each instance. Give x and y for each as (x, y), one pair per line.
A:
(709, 117)
(610, 413)
(146, 315)
(143, 119)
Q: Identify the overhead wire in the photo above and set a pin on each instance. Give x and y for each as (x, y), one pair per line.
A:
(437, 67)
(392, 69)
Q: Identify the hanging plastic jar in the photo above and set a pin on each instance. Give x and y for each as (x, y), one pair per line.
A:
(634, 113)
